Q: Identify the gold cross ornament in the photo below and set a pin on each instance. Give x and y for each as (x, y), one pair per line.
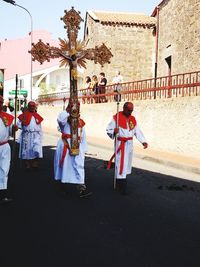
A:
(74, 53)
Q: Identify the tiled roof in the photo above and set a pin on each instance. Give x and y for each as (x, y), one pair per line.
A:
(122, 18)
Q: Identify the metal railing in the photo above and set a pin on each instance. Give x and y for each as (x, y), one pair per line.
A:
(179, 85)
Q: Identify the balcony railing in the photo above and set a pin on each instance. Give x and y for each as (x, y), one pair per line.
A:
(179, 85)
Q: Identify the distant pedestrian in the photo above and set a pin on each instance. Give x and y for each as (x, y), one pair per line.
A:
(87, 82)
(117, 80)
(87, 88)
(8, 108)
(123, 127)
(102, 86)
(94, 86)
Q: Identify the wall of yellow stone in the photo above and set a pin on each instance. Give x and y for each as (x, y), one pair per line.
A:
(170, 125)
(132, 49)
(179, 36)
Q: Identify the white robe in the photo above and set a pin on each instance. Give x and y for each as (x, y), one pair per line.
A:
(72, 171)
(128, 151)
(5, 154)
(30, 140)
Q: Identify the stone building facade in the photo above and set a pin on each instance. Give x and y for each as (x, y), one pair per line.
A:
(178, 36)
(131, 39)
(167, 41)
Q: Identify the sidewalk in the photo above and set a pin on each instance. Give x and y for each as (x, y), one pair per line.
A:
(104, 149)
(174, 160)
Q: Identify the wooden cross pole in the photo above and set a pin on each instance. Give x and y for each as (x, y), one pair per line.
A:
(73, 53)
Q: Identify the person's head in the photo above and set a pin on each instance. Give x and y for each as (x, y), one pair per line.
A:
(1, 102)
(32, 106)
(6, 103)
(128, 109)
(102, 74)
(117, 72)
(87, 79)
(94, 78)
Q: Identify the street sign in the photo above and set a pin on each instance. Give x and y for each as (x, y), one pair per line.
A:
(19, 92)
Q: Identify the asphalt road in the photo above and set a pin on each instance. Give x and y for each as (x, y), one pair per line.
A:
(156, 225)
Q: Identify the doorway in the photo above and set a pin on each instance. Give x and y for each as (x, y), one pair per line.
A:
(169, 80)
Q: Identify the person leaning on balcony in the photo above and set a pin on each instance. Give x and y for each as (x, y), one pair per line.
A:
(69, 169)
(87, 82)
(30, 139)
(123, 127)
(117, 80)
(87, 87)
(102, 86)
(7, 107)
(94, 86)
(6, 130)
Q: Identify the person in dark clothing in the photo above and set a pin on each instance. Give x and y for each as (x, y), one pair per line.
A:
(102, 87)
(8, 108)
(95, 89)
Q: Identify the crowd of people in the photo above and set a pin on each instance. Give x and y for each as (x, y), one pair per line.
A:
(95, 87)
(68, 168)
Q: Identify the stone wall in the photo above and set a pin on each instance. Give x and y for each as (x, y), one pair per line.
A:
(179, 36)
(170, 125)
(132, 49)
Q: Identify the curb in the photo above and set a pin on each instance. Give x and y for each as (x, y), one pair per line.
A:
(161, 161)
(169, 163)
(157, 160)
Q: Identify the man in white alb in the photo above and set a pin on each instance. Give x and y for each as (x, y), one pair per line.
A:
(69, 169)
(123, 127)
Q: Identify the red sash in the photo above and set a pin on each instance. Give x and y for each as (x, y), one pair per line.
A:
(122, 149)
(6, 118)
(3, 143)
(26, 117)
(123, 122)
(66, 145)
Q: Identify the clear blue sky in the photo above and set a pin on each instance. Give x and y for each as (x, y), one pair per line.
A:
(15, 22)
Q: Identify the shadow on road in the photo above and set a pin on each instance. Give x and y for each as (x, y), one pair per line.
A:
(157, 224)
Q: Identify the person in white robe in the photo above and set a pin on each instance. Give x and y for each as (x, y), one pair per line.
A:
(69, 169)
(6, 129)
(30, 139)
(117, 82)
(123, 127)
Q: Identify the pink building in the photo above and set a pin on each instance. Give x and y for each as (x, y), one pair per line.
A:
(15, 59)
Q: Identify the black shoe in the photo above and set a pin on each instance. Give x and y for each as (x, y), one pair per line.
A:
(123, 187)
(84, 194)
(6, 200)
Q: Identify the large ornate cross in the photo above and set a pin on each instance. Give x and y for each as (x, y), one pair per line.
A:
(72, 53)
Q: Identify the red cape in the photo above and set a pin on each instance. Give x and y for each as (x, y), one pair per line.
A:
(122, 120)
(26, 117)
(6, 118)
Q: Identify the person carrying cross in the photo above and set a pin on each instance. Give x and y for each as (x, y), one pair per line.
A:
(68, 168)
